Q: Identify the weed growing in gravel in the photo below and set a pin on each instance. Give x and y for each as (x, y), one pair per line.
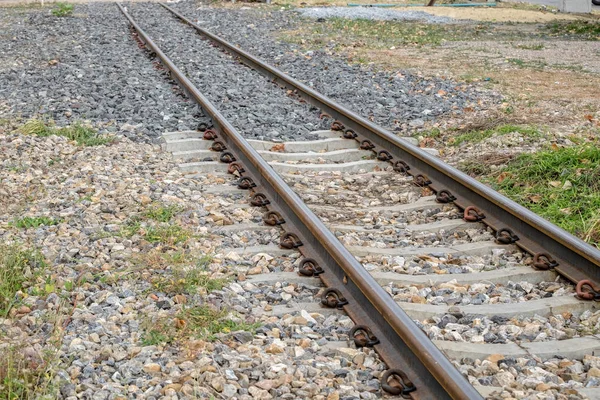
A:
(17, 267)
(560, 184)
(83, 135)
(584, 29)
(527, 46)
(206, 322)
(478, 136)
(163, 233)
(168, 234)
(62, 10)
(162, 213)
(26, 376)
(35, 222)
(154, 337)
(190, 279)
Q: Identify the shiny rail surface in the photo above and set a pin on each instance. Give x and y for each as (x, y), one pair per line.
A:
(551, 246)
(402, 345)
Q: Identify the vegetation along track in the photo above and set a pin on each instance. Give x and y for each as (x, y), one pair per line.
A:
(398, 213)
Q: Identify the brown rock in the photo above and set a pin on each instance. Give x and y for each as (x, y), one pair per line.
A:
(152, 368)
(495, 358)
(418, 299)
(255, 271)
(180, 299)
(144, 200)
(333, 396)
(265, 384)
(24, 310)
(594, 372)
(273, 349)
(542, 387)
(175, 386)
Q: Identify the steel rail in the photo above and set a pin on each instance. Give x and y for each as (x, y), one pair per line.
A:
(576, 260)
(402, 344)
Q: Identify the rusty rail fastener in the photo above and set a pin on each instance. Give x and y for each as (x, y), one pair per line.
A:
(324, 115)
(506, 236)
(235, 167)
(309, 267)
(401, 166)
(421, 181)
(363, 336)
(227, 157)
(444, 196)
(337, 126)
(259, 200)
(218, 146)
(202, 126)
(290, 241)
(592, 294)
(473, 214)
(350, 134)
(367, 145)
(384, 155)
(273, 218)
(333, 298)
(395, 381)
(246, 183)
(544, 261)
(209, 134)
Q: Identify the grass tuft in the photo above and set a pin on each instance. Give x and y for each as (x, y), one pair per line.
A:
(190, 279)
(587, 29)
(206, 322)
(167, 234)
(26, 376)
(529, 46)
(17, 267)
(162, 213)
(34, 222)
(477, 136)
(83, 135)
(560, 184)
(62, 10)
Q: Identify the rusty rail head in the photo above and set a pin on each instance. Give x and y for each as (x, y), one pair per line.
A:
(575, 259)
(404, 347)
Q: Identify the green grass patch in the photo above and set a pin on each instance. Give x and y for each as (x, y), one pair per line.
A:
(163, 233)
(34, 222)
(83, 135)
(431, 133)
(529, 46)
(168, 234)
(206, 322)
(162, 213)
(527, 64)
(62, 10)
(480, 135)
(203, 322)
(562, 185)
(189, 279)
(155, 337)
(18, 267)
(380, 34)
(23, 376)
(586, 29)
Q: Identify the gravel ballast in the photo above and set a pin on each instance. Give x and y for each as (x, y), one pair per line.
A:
(85, 67)
(401, 101)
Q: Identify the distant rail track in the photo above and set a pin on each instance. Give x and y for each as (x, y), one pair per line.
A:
(362, 186)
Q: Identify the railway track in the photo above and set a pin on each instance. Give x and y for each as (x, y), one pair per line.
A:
(395, 235)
